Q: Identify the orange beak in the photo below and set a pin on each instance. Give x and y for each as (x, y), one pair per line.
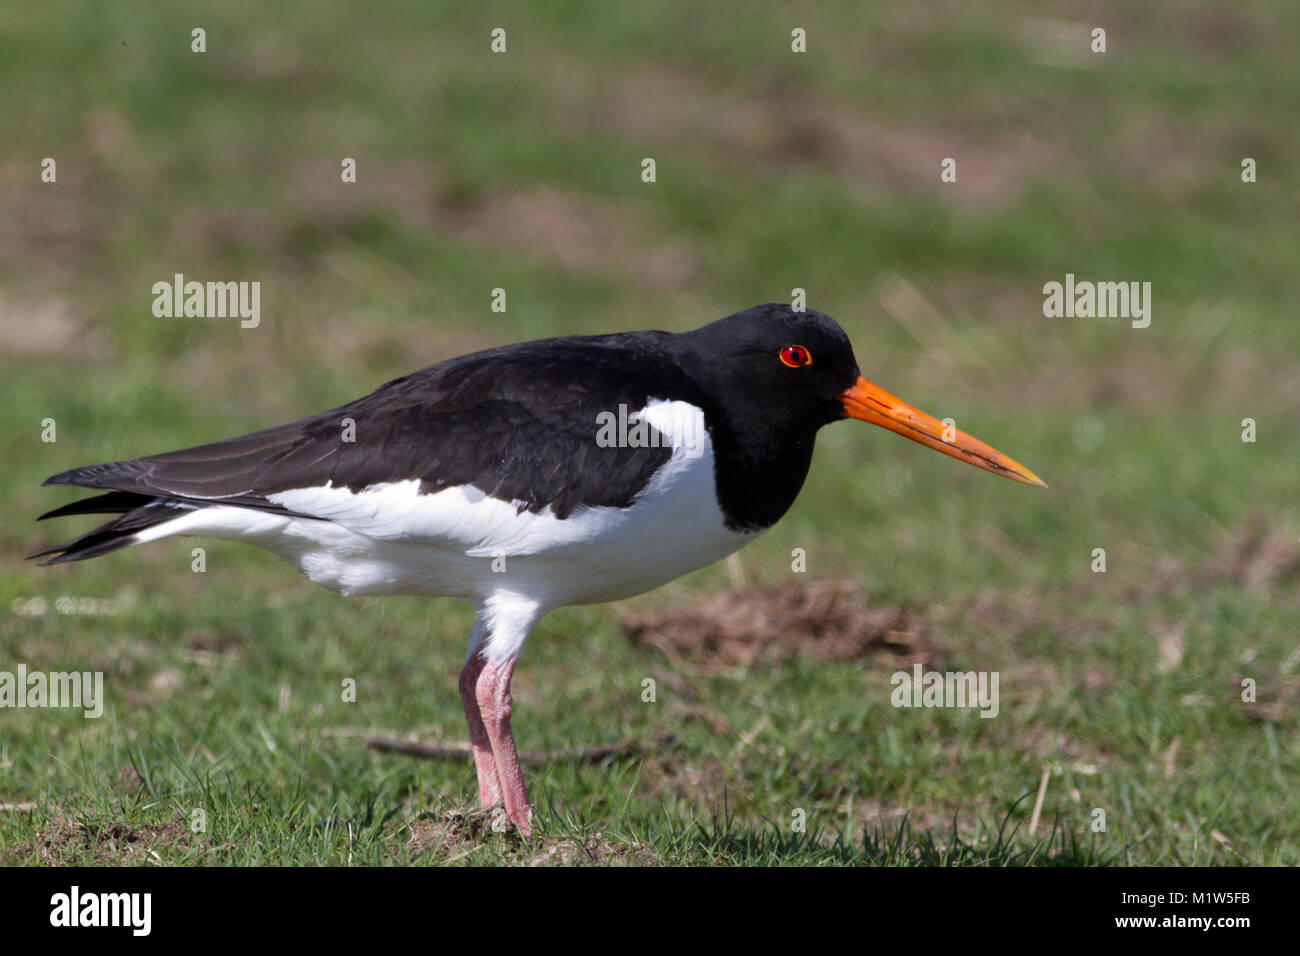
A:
(871, 403)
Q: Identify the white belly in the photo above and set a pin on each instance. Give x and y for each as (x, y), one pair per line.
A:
(389, 539)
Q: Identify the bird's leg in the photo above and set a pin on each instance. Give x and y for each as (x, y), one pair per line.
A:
(492, 693)
(489, 782)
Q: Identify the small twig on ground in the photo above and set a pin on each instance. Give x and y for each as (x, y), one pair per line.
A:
(463, 751)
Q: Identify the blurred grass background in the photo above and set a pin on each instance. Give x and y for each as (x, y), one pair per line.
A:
(775, 171)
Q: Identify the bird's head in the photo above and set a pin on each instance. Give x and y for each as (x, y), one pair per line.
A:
(797, 369)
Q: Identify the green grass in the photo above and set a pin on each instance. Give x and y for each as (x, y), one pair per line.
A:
(775, 171)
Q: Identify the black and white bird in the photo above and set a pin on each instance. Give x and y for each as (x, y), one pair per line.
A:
(524, 478)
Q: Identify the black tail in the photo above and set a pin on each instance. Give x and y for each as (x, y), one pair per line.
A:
(137, 512)
(149, 491)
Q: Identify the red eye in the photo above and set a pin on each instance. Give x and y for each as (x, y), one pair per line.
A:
(796, 356)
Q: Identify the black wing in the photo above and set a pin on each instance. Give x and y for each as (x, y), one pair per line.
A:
(518, 423)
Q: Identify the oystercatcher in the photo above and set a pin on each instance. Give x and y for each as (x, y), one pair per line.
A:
(561, 471)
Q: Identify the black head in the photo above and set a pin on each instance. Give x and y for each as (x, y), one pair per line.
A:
(770, 377)
(786, 369)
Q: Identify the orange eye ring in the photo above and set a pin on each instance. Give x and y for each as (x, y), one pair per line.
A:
(795, 356)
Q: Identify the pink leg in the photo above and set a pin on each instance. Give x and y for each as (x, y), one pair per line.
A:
(489, 783)
(493, 695)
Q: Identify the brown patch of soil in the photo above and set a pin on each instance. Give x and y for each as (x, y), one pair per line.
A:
(45, 327)
(996, 613)
(575, 232)
(1277, 700)
(820, 620)
(49, 225)
(407, 190)
(446, 834)
(458, 833)
(594, 851)
(659, 105)
(66, 841)
(214, 641)
(1253, 558)
(343, 338)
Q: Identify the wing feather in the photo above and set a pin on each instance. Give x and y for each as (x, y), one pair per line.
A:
(518, 423)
